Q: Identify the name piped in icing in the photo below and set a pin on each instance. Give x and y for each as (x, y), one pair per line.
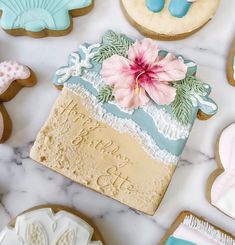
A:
(223, 188)
(37, 15)
(178, 8)
(46, 228)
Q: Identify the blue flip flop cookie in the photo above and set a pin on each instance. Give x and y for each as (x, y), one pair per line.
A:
(169, 19)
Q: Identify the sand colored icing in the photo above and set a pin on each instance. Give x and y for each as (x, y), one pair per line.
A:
(163, 23)
(95, 155)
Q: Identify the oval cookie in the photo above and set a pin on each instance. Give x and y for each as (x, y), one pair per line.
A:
(40, 18)
(48, 225)
(169, 19)
(13, 77)
(222, 181)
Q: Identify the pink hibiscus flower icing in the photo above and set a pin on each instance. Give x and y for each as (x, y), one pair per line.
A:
(143, 75)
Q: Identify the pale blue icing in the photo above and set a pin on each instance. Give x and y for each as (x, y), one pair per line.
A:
(140, 117)
(179, 8)
(155, 5)
(143, 119)
(37, 15)
(175, 241)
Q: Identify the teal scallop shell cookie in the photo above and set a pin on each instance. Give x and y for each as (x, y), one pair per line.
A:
(40, 18)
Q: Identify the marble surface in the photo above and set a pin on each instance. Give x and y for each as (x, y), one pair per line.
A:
(24, 183)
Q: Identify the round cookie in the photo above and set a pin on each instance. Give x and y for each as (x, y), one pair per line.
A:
(221, 183)
(13, 77)
(169, 19)
(41, 18)
(51, 224)
(231, 65)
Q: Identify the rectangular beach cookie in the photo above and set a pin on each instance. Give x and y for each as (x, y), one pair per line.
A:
(122, 119)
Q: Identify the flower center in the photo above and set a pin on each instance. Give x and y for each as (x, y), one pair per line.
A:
(137, 82)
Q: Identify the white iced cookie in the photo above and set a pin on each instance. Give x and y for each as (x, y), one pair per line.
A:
(222, 181)
(169, 19)
(44, 227)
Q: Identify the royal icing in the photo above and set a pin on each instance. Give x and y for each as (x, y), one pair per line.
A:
(223, 189)
(165, 121)
(193, 231)
(37, 15)
(13, 76)
(155, 5)
(46, 228)
(146, 73)
(178, 8)
(11, 71)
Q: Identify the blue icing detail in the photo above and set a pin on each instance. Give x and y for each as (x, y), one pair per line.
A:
(155, 5)
(37, 15)
(179, 8)
(142, 118)
(175, 241)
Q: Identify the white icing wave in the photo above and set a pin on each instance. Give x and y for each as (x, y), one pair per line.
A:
(122, 125)
(170, 128)
(44, 227)
(165, 124)
(208, 230)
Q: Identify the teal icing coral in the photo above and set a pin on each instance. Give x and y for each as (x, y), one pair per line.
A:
(38, 15)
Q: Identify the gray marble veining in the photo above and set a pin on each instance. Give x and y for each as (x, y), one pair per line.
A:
(24, 183)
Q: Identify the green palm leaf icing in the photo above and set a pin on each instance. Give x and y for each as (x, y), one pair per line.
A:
(105, 95)
(192, 95)
(113, 44)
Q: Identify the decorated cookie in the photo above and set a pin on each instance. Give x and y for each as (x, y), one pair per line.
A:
(126, 108)
(189, 229)
(40, 18)
(50, 225)
(222, 181)
(169, 19)
(13, 77)
(231, 66)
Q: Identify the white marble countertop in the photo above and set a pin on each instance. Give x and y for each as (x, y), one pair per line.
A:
(24, 183)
